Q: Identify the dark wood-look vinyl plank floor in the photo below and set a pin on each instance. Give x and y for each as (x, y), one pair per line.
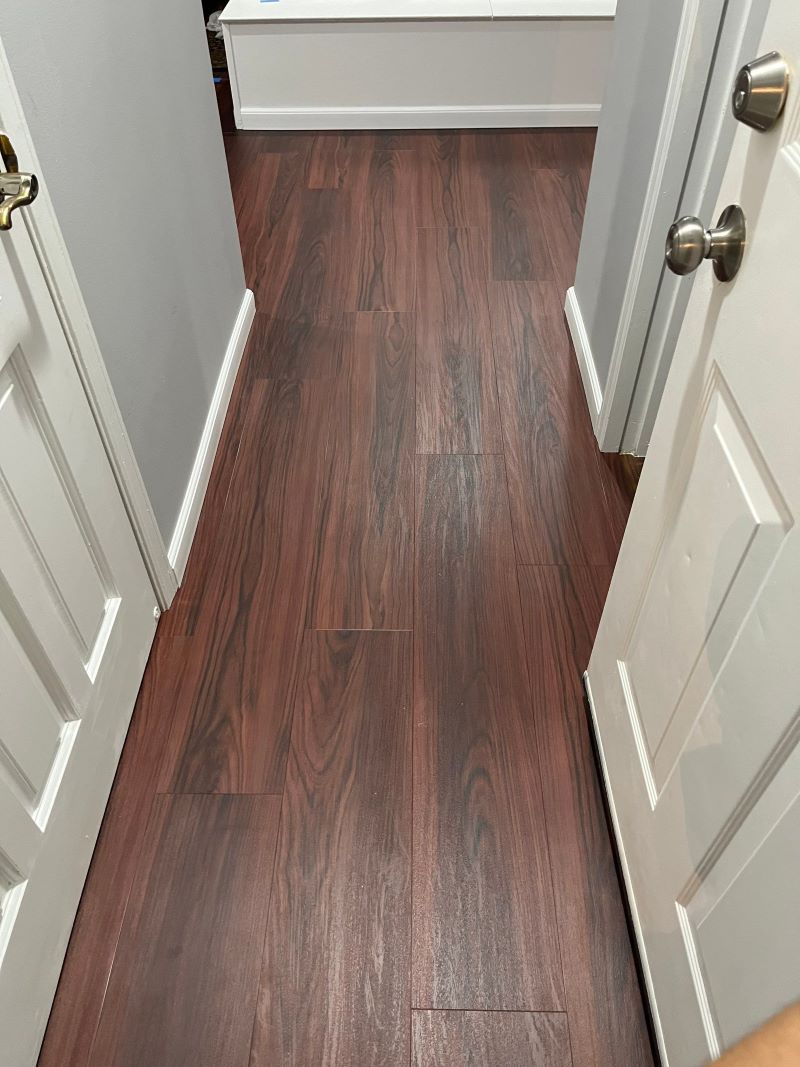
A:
(84, 976)
(183, 986)
(338, 160)
(484, 931)
(562, 607)
(450, 186)
(233, 734)
(268, 225)
(558, 504)
(518, 249)
(357, 820)
(457, 409)
(560, 198)
(385, 267)
(334, 986)
(297, 345)
(490, 1039)
(363, 560)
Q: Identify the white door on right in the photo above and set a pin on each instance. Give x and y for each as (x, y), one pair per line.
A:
(694, 679)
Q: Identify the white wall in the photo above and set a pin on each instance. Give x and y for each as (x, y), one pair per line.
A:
(645, 32)
(120, 103)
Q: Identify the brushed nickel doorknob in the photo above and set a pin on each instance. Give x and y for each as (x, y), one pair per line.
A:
(689, 243)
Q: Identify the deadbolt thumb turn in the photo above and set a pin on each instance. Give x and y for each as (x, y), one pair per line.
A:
(689, 243)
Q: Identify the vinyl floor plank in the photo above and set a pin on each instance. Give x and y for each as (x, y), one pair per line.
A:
(184, 982)
(559, 509)
(317, 273)
(267, 200)
(451, 190)
(560, 149)
(518, 248)
(386, 224)
(339, 159)
(233, 734)
(87, 966)
(253, 181)
(363, 560)
(619, 474)
(335, 980)
(300, 255)
(490, 1039)
(561, 200)
(443, 775)
(303, 344)
(485, 934)
(561, 608)
(457, 410)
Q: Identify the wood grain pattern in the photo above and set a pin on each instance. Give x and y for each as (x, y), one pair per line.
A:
(183, 985)
(619, 475)
(490, 1039)
(484, 934)
(338, 160)
(385, 262)
(558, 506)
(253, 181)
(363, 575)
(561, 608)
(560, 196)
(270, 244)
(82, 986)
(304, 344)
(456, 392)
(450, 187)
(312, 519)
(517, 245)
(235, 735)
(335, 984)
(310, 266)
(559, 149)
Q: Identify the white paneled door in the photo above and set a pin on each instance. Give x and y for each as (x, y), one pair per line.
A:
(695, 675)
(76, 624)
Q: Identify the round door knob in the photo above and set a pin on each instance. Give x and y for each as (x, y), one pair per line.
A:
(686, 245)
(689, 243)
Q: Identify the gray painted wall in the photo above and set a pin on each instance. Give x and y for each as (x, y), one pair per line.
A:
(120, 103)
(644, 33)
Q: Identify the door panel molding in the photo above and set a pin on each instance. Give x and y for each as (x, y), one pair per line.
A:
(51, 252)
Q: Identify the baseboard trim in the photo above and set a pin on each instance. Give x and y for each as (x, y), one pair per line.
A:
(189, 514)
(419, 118)
(580, 340)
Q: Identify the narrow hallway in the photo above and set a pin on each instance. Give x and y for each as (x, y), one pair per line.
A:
(357, 819)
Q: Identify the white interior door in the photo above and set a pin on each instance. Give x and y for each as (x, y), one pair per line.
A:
(695, 675)
(76, 623)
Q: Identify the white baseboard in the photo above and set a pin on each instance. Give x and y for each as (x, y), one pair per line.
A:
(418, 118)
(185, 527)
(580, 339)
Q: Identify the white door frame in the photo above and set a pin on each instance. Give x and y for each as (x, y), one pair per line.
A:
(688, 140)
(738, 41)
(56, 266)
